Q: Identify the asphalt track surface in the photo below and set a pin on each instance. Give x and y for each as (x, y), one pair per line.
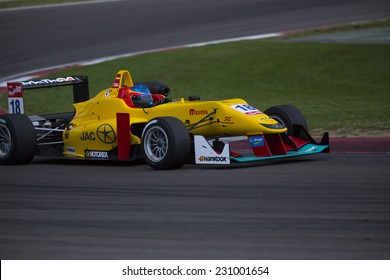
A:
(328, 206)
(40, 38)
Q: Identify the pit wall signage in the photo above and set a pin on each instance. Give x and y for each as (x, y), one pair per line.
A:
(15, 98)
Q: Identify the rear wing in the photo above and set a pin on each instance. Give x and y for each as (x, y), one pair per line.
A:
(15, 90)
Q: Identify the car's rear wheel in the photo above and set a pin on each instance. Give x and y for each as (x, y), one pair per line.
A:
(166, 143)
(17, 139)
(287, 115)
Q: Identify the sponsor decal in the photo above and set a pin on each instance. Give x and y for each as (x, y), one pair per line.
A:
(246, 109)
(227, 120)
(256, 140)
(106, 134)
(213, 159)
(253, 113)
(117, 81)
(15, 98)
(88, 136)
(49, 81)
(14, 90)
(70, 150)
(198, 112)
(107, 93)
(95, 154)
(205, 154)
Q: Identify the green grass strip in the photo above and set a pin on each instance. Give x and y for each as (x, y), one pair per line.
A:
(344, 89)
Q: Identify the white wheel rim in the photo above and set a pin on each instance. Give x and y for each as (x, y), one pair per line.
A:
(156, 144)
(5, 141)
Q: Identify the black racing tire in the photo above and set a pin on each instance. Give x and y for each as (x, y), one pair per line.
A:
(18, 140)
(166, 143)
(287, 115)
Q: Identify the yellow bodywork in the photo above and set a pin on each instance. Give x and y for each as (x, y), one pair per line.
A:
(94, 126)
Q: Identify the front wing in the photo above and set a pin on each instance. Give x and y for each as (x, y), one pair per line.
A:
(258, 148)
(308, 149)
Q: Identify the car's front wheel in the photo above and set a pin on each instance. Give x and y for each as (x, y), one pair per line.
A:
(166, 143)
(17, 139)
(288, 116)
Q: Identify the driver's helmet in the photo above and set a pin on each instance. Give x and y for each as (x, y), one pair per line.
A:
(141, 96)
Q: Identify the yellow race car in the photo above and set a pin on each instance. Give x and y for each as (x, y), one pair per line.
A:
(131, 121)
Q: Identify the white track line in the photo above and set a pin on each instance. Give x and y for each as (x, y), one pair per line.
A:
(24, 8)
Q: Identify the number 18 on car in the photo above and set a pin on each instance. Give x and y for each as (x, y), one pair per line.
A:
(15, 98)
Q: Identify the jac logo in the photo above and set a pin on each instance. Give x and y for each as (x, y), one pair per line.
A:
(88, 136)
(105, 133)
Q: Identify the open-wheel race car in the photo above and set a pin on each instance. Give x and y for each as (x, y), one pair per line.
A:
(131, 121)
